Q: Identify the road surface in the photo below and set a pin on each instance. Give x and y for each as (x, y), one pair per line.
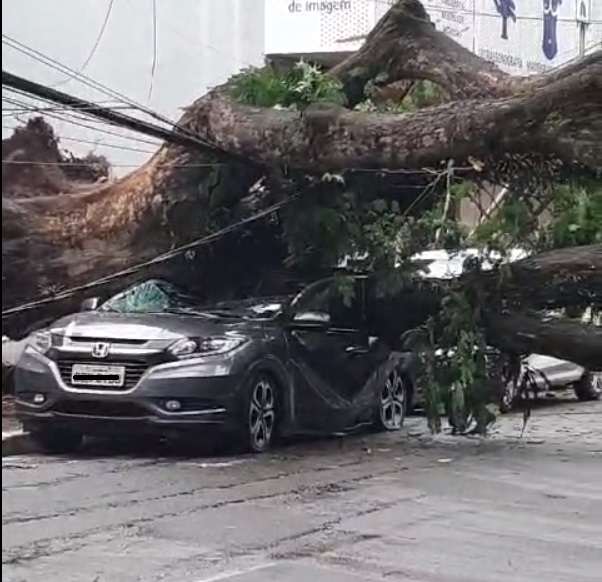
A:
(402, 507)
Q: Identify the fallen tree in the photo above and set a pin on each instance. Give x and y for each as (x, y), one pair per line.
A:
(492, 126)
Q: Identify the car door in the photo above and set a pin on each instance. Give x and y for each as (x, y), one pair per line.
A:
(330, 354)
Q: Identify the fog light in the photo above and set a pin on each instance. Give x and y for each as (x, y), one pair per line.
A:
(173, 405)
(39, 398)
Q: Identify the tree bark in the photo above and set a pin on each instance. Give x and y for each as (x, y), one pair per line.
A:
(554, 279)
(524, 333)
(54, 243)
(561, 120)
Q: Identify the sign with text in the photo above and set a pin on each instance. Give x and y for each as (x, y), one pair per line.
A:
(526, 36)
(520, 36)
(318, 26)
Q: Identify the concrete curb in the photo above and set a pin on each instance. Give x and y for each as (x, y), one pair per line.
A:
(16, 443)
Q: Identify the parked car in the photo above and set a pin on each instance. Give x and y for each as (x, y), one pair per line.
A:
(539, 371)
(151, 359)
(544, 373)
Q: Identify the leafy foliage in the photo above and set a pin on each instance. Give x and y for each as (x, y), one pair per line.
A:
(297, 87)
(378, 222)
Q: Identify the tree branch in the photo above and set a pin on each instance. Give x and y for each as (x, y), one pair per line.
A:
(562, 121)
(404, 44)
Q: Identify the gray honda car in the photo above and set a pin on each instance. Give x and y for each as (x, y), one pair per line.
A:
(151, 360)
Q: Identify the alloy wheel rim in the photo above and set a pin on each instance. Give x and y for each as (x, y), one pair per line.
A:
(597, 382)
(262, 414)
(392, 401)
(509, 395)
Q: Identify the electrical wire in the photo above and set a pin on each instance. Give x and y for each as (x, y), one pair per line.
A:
(74, 119)
(99, 144)
(493, 14)
(48, 61)
(8, 112)
(156, 260)
(84, 164)
(154, 62)
(92, 52)
(174, 136)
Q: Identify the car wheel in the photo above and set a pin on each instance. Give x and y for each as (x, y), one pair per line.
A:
(509, 397)
(261, 414)
(589, 387)
(392, 406)
(56, 441)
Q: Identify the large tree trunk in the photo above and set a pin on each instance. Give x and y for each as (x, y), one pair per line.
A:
(558, 278)
(523, 333)
(55, 243)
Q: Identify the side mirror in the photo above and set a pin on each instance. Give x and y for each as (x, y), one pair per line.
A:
(90, 304)
(310, 320)
(412, 338)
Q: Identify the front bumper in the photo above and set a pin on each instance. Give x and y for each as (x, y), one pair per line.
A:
(207, 392)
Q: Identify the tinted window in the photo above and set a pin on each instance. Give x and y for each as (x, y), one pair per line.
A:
(390, 314)
(263, 308)
(343, 305)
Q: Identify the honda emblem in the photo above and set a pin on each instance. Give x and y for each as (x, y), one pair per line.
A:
(100, 350)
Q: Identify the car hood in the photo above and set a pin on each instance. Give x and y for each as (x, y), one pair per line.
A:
(127, 326)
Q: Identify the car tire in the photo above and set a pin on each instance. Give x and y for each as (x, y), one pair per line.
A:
(510, 397)
(392, 402)
(56, 441)
(260, 422)
(589, 387)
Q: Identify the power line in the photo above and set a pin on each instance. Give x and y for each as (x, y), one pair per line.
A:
(493, 14)
(113, 117)
(94, 46)
(158, 259)
(8, 112)
(73, 119)
(53, 63)
(154, 63)
(75, 164)
(92, 128)
(94, 143)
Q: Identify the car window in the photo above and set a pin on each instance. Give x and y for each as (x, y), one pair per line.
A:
(345, 310)
(394, 313)
(262, 308)
(153, 295)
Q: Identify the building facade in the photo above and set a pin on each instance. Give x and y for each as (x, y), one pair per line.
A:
(521, 36)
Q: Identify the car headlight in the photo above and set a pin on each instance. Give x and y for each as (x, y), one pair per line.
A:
(41, 341)
(195, 347)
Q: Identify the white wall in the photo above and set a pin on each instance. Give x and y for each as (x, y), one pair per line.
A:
(200, 43)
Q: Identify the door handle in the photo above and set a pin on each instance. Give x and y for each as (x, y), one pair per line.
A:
(356, 350)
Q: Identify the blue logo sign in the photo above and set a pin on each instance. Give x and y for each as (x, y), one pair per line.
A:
(506, 9)
(550, 22)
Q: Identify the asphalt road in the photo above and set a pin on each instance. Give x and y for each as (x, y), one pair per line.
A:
(364, 508)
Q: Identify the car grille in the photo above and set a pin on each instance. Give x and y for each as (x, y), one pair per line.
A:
(133, 372)
(101, 409)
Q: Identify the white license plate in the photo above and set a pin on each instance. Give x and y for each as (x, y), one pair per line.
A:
(97, 375)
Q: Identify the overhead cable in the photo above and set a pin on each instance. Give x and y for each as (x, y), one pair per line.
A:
(156, 260)
(113, 117)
